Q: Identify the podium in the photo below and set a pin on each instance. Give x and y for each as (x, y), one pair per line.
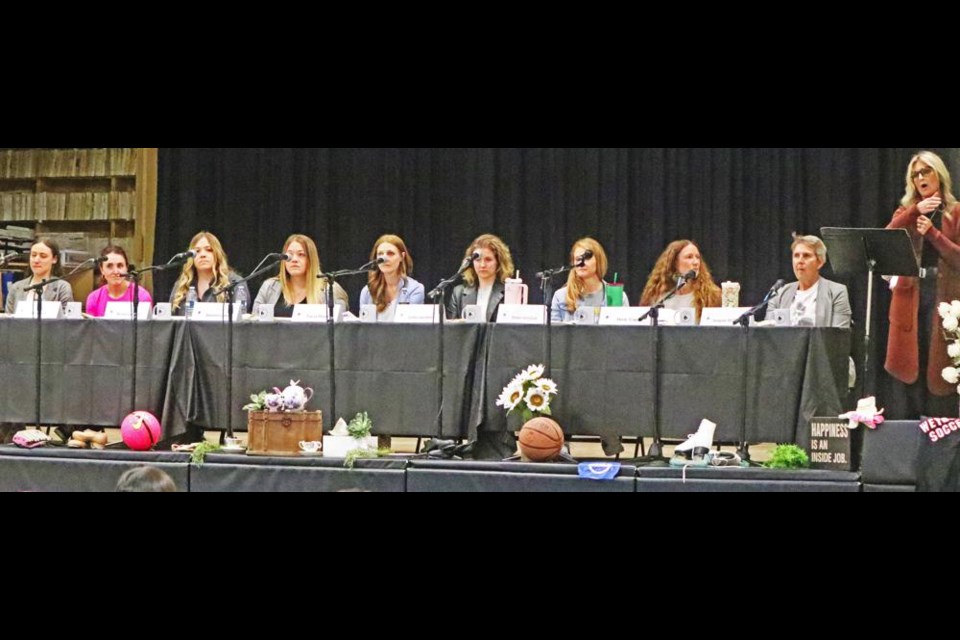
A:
(853, 252)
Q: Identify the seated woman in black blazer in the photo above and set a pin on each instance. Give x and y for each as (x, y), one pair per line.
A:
(483, 280)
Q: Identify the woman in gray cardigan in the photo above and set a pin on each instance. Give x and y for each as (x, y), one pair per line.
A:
(44, 264)
(298, 282)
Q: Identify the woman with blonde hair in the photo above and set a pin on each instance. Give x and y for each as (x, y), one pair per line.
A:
(585, 285)
(483, 280)
(298, 282)
(931, 215)
(208, 271)
(679, 258)
(391, 283)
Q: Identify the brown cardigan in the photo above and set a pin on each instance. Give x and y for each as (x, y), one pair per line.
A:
(903, 351)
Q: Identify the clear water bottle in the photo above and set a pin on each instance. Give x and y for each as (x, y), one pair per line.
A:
(240, 301)
(191, 301)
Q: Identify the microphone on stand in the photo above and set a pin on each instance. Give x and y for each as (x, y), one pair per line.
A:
(745, 318)
(683, 278)
(89, 262)
(774, 289)
(282, 257)
(373, 263)
(549, 273)
(467, 262)
(446, 283)
(183, 257)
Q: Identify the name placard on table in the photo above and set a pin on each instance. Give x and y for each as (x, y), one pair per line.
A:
(50, 310)
(215, 312)
(417, 313)
(722, 316)
(631, 315)
(522, 314)
(124, 311)
(315, 313)
(623, 315)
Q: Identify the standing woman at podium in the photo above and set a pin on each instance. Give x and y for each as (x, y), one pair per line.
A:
(44, 264)
(298, 282)
(680, 257)
(931, 215)
(391, 284)
(207, 271)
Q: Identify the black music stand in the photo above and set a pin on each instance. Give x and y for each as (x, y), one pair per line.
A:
(887, 252)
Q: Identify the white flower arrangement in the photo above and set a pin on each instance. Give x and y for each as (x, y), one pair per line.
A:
(529, 393)
(950, 313)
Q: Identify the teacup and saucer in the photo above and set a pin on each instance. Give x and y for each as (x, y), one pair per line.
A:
(310, 447)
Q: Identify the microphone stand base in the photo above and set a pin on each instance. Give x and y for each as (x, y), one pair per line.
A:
(656, 450)
(744, 452)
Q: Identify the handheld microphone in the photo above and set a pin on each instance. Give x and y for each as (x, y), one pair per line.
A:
(186, 255)
(933, 214)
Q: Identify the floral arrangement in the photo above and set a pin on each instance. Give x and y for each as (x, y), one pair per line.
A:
(529, 393)
(292, 399)
(950, 312)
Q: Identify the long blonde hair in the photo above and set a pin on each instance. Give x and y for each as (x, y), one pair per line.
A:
(663, 279)
(221, 270)
(911, 195)
(575, 284)
(376, 281)
(500, 251)
(315, 286)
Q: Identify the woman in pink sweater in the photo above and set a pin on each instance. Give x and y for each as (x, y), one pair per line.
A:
(116, 287)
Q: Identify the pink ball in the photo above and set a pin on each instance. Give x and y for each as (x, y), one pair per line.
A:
(140, 430)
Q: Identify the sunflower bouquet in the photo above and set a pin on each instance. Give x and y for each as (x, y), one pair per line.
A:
(529, 393)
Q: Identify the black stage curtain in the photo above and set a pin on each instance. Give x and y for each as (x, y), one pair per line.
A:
(739, 205)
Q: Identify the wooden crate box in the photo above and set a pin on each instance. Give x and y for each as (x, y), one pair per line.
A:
(279, 434)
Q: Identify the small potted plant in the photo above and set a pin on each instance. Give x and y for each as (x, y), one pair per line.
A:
(345, 438)
(788, 456)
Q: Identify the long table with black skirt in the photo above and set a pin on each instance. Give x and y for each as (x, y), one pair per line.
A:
(387, 370)
(86, 370)
(605, 379)
(604, 374)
